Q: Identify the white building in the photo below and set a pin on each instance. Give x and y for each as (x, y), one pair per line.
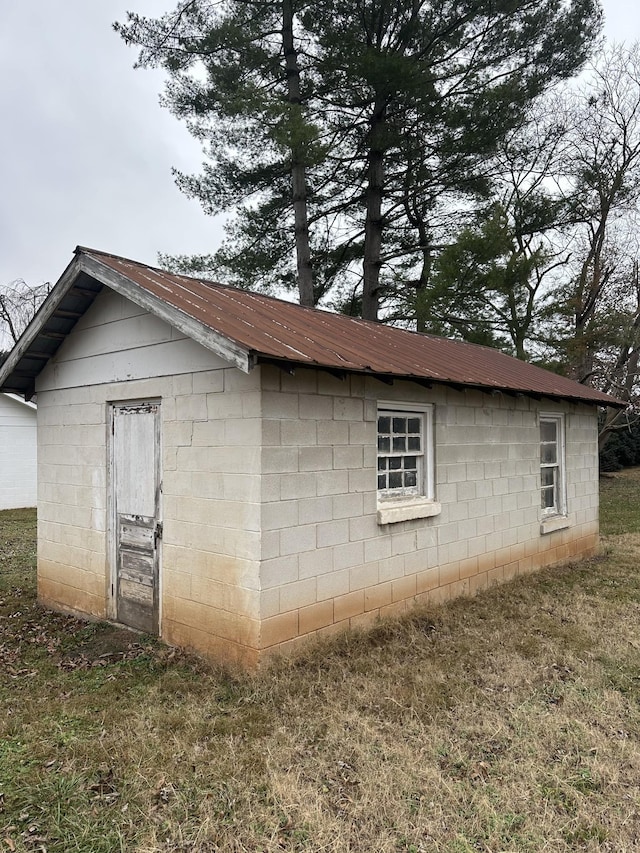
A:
(18, 443)
(234, 473)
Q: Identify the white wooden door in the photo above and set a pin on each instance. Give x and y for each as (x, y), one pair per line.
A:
(136, 522)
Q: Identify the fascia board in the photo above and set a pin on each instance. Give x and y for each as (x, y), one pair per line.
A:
(45, 312)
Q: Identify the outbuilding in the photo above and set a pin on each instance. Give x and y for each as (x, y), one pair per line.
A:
(233, 472)
(17, 452)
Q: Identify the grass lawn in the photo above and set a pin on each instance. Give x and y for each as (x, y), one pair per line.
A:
(507, 722)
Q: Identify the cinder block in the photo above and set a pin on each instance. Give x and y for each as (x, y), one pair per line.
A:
(377, 549)
(468, 567)
(317, 562)
(397, 608)
(315, 616)
(348, 456)
(391, 568)
(449, 573)
(269, 602)
(208, 382)
(332, 533)
(315, 510)
(315, 459)
(348, 409)
(332, 483)
(348, 605)
(346, 505)
(278, 629)
(295, 540)
(280, 514)
(363, 527)
(191, 407)
(361, 577)
(332, 433)
(348, 555)
(297, 485)
(278, 571)
(280, 406)
(333, 585)
(427, 580)
(403, 543)
(364, 621)
(315, 407)
(362, 480)
(404, 588)
(377, 596)
(298, 594)
(297, 433)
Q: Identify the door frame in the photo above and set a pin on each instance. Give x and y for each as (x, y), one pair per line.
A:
(112, 525)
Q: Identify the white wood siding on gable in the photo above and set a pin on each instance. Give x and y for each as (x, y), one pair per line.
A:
(117, 341)
(17, 453)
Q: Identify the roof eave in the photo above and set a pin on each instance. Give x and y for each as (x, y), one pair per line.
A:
(46, 311)
(290, 365)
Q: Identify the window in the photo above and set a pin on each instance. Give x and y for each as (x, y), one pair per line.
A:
(400, 453)
(405, 462)
(552, 465)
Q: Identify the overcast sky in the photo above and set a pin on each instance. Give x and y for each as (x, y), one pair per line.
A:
(85, 149)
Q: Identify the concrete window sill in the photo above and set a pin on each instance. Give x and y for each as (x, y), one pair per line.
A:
(406, 510)
(556, 522)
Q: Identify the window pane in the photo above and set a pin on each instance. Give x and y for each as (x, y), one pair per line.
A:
(547, 476)
(395, 462)
(413, 442)
(384, 424)
(382, 463)
(548, 430)
(395, 480)
(382, 481)
(549, 453)
(413, 425)
(399, 424)
(410, 478)
(410, 461)
(399, 444)
(548, 497)
(384, 443)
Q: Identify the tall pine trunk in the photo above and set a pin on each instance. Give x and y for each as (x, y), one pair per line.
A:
(298, 161)
(372, 261)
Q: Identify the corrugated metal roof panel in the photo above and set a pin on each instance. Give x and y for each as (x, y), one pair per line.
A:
(284, 331)
(247, 327)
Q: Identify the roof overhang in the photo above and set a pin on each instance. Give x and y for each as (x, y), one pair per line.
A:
(245, 329)
(70, 298)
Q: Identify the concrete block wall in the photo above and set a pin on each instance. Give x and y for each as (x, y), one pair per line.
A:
(211, 512)
(269, 490)
(326, 562)
(210, 441)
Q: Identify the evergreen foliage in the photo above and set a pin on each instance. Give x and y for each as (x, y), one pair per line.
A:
(358, 133)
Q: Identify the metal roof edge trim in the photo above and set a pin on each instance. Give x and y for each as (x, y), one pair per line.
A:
(607, 402)
(17, 399)
(205, 336)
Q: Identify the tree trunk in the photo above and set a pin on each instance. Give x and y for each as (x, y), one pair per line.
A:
(298, 161)
(373, 222)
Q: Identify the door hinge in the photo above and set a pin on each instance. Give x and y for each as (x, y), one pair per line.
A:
(158, 532)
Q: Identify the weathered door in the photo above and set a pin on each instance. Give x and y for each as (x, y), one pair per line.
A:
(137, 526)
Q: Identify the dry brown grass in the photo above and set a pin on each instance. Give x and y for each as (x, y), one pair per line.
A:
(507, 722)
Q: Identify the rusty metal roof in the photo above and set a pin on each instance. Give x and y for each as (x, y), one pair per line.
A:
(251, 328)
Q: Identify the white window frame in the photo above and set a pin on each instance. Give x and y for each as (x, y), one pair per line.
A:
(559, 508)
(405, 504)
